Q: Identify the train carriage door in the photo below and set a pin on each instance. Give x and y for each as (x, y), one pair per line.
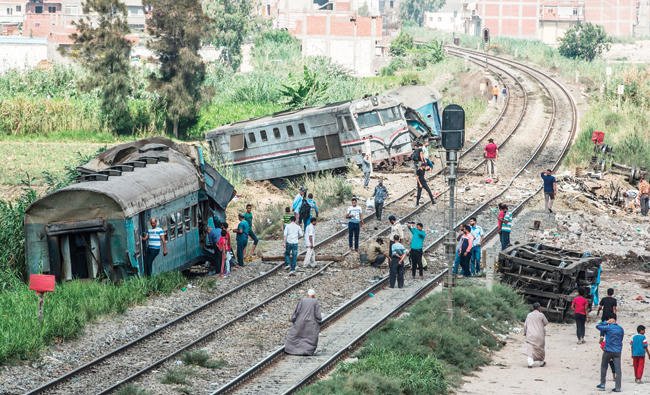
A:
(140, 227)
(328, 147)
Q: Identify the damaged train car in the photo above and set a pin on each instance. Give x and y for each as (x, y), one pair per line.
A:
(324, 138)
(548, 275)
(94, 226)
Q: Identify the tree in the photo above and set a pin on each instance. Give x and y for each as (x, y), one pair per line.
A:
(101, 46)
(413, 10)
(401, 44)
(177, 29)
(305, 92)
(584, 41)
(232, 21)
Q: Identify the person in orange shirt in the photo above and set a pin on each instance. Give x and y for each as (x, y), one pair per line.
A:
(495, 93)
(644, 196)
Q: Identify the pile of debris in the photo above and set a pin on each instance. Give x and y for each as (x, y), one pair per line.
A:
(548, 275)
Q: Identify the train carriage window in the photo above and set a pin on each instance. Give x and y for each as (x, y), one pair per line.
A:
(289, 130)
(339, 124)
(263, 135)
(301, 128)
(179, 224)
(349, 123)
(236, 142)
(368, 119)
(187, 219)
(194, 216)
(276, 133)
(171, 220)
(389, 114)
(251, 138)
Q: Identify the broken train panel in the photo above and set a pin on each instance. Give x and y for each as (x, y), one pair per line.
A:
(94, 225)
(548, 275)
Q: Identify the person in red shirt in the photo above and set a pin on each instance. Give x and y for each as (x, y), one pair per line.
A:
(579, 307)
(491, 154)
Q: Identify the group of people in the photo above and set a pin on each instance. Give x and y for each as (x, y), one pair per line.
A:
(300, 221)
(611, 337)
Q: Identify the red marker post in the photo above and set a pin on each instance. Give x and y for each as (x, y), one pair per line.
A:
(41, 283)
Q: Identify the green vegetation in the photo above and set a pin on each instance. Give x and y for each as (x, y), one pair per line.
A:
(178, 375)
(584, 41)
(101, 47)
(68, 310)
(202, 358)
(425, 352)
(177, 30)
(233, 22)
(413, 10)
(131, 389)
(305, 91)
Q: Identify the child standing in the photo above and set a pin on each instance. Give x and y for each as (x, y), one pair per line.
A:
(639, 349)
(286, 218)
(223, 246)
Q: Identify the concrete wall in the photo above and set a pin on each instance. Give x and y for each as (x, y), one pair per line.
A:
(21, 53)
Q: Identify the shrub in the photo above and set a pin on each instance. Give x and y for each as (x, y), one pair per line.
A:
(202, 358)
(328, 188)
(584, 41)
(401, 44)
(177, 375)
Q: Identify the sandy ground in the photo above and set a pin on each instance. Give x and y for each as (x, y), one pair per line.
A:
(570, 368)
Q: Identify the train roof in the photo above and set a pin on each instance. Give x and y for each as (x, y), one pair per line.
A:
(415, 96)
(167, 175)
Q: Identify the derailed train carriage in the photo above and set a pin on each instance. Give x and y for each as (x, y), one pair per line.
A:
(327, 137)
(95, 225)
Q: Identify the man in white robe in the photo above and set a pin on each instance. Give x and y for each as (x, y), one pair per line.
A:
(535, 332)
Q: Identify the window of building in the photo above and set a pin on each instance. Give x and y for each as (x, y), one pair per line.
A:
(51, 9)
(268, 9)
(276, 133)
(368, 119)
(289, 130)
(19, 8)
(10, 11)
(251, 138)
(301, 128)
(38, 9)
(263, 135)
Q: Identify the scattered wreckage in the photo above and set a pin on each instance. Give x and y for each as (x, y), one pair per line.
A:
(549, 275)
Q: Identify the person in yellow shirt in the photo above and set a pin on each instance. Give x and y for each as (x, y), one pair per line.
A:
(644, 196)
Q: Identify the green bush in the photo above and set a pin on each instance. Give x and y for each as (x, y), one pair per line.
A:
(328, 188)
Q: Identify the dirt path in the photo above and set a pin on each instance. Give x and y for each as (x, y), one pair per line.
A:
(570, 368)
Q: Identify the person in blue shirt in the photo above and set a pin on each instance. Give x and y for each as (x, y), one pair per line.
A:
(639, 349)
(211, 242)
(417, 241)
(550, 189)
(242, 238)
(612, 351)
(475, 253)
(396, 271)
(314, 209)
(156, 239)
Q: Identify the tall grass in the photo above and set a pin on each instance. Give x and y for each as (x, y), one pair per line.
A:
(68, 310)
(329, 189)
(425, 352)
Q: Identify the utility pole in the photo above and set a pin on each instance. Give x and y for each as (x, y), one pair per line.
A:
(453, 138)
(486, 42)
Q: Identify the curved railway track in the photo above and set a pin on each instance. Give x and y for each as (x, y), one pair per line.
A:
(539, 157)
(125, 364)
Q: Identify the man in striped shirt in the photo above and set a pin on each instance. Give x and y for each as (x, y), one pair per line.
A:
(155, 238)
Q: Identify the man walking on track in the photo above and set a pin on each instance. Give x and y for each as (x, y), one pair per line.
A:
(396, 270)
(366, 167)
(292, 233)
(491, 154)
(550, 189)
(310, 242)
(155, 238)
(535, 333)
(612, 351)
(302, 338)
(355, 220)
(380, 195)
(422, 184)
(417, 242)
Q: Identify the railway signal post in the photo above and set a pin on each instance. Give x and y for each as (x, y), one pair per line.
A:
(453, 139)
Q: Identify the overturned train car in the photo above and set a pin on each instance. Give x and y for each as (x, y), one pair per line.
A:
(323, 138)
(94, 225)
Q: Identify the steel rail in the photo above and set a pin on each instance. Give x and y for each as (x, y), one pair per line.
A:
(256, 369)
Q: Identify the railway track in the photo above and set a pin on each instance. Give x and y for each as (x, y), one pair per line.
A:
(277, 380)
(126, 369)
(118, 365)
